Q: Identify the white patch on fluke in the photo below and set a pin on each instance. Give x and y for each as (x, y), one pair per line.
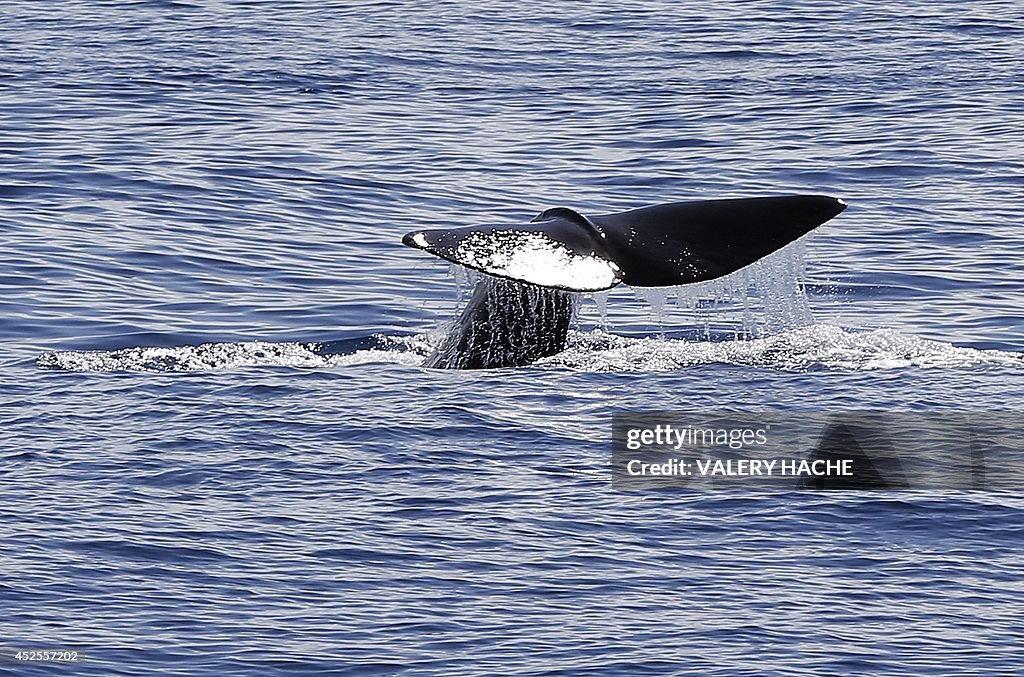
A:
(420, 239)
(537, 259)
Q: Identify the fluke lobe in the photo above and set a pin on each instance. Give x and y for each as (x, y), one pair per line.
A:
(522, 309)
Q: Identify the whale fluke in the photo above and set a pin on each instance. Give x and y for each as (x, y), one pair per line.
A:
(526, 316)
(663, 245)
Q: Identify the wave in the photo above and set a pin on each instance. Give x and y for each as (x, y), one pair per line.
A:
(814, 347)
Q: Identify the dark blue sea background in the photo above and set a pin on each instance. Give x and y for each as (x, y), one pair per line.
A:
(221, 454)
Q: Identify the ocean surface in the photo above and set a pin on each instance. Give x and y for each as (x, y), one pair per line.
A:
(221, 454)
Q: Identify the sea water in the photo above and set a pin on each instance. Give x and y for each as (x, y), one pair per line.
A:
(221, 454)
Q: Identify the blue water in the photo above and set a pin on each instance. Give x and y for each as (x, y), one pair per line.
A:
(193, 193)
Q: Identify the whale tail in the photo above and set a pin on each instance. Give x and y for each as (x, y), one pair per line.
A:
(657, 246)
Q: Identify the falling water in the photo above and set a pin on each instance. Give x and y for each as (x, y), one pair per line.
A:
(506, 323)
(600, 300)
(465, 281)
(762, 299)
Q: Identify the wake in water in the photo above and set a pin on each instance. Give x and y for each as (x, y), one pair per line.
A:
(211, 356)
(764, 304)
(819, 346)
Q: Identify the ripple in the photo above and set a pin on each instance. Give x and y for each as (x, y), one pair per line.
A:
(176, 185)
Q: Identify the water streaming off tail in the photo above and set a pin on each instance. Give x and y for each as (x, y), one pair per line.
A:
(506, 323)
(762, 299)
(600, 300)
(465, 281)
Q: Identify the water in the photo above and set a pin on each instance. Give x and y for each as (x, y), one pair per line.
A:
(261, 479)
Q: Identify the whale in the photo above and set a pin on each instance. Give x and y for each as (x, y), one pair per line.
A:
(522, 306)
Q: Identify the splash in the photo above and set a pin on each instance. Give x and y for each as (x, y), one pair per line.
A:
(219, 356)
(815, 347)
(771, 328)
(819, 346)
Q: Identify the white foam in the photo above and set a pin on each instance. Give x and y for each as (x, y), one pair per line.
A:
(820, 346)
(218, 356)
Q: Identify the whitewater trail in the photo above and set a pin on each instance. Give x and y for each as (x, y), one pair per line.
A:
(818, 346)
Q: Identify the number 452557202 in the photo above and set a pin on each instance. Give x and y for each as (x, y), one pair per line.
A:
(45, 655)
